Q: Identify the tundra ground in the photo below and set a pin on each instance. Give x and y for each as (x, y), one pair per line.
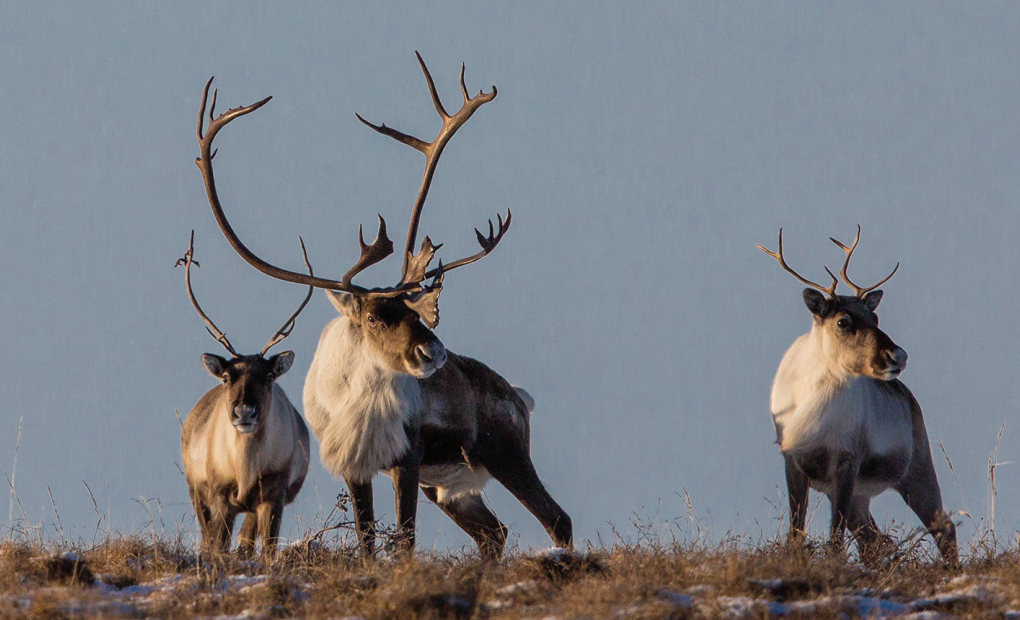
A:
(662, 575)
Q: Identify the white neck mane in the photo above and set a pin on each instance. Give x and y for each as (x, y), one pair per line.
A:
(815, 402)
(357, 407)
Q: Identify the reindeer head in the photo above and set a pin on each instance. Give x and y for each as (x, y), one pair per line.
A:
(395, 323)
(248, 382)
(393, 332)
(247, 379)
(847, 325)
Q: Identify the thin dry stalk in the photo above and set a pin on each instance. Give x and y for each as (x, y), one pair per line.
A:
(14, 473)
(993, 463)
(60, 526)
(95, 506)
(966, 509)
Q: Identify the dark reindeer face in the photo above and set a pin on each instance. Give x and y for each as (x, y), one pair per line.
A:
(851, 338)
(393, 332)
(248, 381)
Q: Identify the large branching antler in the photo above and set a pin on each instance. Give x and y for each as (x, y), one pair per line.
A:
(831, 290)
(413, 266)
(370, 254)
(288, 326)
(859, 291)
(189, 258)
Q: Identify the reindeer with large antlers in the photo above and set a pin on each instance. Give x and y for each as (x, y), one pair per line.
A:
(384, 394)
(244, 446)
(845, 424)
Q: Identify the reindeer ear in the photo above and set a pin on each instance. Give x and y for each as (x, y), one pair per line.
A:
(426, 303)
(214, 364)
(872, 299)
(817, 303)
(346, 304)
(282, 362)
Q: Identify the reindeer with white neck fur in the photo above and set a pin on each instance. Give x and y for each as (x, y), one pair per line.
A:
(384, 394)
(845, 424)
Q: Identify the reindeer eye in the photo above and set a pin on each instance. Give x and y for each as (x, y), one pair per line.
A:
(844, 323)
(371, 320)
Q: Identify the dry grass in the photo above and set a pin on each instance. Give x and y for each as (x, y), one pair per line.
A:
(325, 580)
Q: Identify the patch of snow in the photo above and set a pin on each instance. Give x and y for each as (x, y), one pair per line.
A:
(243, 582)
(702, 590)
(554, 554)
(75, 607)
(928, 615)
(627, 611)
(680, 600)
(523, 587)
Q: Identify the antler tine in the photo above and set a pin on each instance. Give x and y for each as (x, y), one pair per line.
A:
(204, 162)
(288, 327)
(831, 291)
(858, 291)
(432, 150)
(214, 331)
(488, 244)
(370, 254)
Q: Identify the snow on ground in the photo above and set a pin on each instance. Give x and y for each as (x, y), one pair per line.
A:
(962, 594)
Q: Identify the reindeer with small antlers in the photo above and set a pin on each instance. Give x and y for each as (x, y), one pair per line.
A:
(845, 424)
(384, 394)
(244, 446)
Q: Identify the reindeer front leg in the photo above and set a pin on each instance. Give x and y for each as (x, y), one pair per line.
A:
(269, 516)
(364, 516)
(842, 499)
(797, 488)
(405, 484)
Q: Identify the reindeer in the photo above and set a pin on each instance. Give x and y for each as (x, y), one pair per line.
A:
(845, 424)
(244, 446)
(384, 394)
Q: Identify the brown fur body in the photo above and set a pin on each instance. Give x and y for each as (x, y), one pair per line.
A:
(256, 472)
(384, 394)
(847, 427)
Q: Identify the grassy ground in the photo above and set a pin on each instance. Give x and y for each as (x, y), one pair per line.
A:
(662, 576)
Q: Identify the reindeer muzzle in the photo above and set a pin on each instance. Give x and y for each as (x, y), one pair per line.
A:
(244, 418)
(896, 361)
(430, 358)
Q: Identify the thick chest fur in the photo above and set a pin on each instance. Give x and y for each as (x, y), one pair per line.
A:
(820, 418)
(219, 460)
(357, 409)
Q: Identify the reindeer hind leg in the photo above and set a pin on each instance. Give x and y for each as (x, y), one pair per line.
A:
(517, 473)
(471, 514)
(920, 490)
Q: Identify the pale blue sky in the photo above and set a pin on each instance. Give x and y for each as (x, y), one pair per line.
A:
(644, 152)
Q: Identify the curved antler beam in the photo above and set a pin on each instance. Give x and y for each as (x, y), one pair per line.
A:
(288, 326)
(204, 163)
(218, 336)
(858, 291)
(778, 255)
(432, 150)
(488, 244)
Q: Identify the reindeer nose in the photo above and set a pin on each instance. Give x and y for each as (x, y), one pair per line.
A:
(433, 354)
(423, 354)
(243, 413)
(897, 357)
